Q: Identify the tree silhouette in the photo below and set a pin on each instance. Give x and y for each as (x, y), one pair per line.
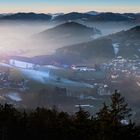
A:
(109, 120)
(119, 108)
(44, 123)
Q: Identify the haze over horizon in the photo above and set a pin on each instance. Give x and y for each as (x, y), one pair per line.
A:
(54, 6)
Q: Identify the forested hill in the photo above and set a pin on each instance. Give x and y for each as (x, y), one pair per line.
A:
(110, 123)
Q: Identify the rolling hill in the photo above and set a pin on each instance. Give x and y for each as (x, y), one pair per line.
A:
(67, 34)
(96, 51)
(129, 42)
(101, 50)
(131, 35)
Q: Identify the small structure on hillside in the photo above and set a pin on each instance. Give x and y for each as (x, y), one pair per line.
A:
(22, 62)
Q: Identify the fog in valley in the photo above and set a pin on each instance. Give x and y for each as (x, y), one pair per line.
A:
(69, 63)
(17, 37)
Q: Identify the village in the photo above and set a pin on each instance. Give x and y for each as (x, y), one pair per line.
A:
(88, 83)
(118, 68)
(6, 82)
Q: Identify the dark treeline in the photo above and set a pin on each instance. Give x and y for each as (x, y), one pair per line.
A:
(48, 124)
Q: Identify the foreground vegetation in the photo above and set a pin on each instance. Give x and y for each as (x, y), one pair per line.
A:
(42, 124)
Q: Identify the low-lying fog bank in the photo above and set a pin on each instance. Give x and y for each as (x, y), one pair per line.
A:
(16, 36)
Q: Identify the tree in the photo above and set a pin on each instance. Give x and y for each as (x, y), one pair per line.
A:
(104, 113)
(103, 123)
(82, 115)
(119, 109)
(82, 125)
(109, 119)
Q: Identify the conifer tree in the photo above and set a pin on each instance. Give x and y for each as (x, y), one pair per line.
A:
(119, 109)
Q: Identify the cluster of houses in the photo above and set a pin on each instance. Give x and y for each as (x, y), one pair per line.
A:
(4, 78)
(27, 63)
(103, 89)
(22, 62)
(118, 67)
(8, 83)
(124, 68)
(82, 68)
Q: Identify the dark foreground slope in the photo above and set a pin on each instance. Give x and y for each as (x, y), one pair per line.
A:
(95, 51)
(102, 49)
(129, 42)
(131, 36)
(51, 124)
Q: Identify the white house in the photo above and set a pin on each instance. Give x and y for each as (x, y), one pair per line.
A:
(22, 62)
(82, 68)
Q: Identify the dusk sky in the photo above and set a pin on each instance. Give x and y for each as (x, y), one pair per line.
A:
(53, 6)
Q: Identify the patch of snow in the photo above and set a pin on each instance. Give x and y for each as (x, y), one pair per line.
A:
(116, 48)
(90, 97)
(91, 106)
(52, 67)
(138, 84)
(56, 15)
(105, 86)
(130, 17)
(5, 65)
(125, 122)
(95, 36)
(36, 75)
(93, 13)
(14, 97)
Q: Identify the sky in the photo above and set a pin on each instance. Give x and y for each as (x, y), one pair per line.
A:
(65, 6)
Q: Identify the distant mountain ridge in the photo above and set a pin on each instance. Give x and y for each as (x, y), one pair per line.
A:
(89, 16)
(130, 35)
(26, 16)
(101, 50)
(111, 17)
(73, 16)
